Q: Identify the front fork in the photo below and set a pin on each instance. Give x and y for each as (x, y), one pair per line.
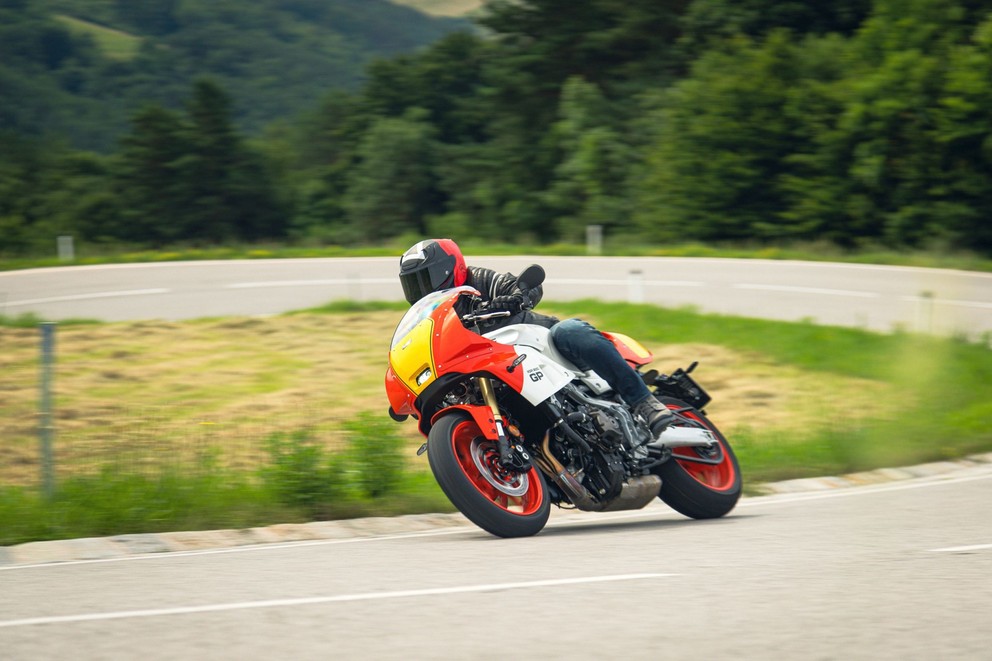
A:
(519, 460)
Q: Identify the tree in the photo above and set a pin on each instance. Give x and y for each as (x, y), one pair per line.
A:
(153, 179)
(606, 42)
(193, 178)
(229, 194)
(712, 171)
(393, 187)
(157, 17)
(893, 169)
(707, 23)
(47, 190)
(214, 153)
(963, 132)
(445, 80)
(590, 181)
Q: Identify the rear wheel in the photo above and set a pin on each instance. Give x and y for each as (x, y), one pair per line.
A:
(466, 465)
(702, 483)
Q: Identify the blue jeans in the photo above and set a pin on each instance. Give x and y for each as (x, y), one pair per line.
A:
(588, 349)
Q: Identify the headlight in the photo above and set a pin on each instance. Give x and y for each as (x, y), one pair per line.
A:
(423, 376)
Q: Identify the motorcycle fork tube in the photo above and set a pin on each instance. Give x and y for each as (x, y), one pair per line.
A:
(489, 397)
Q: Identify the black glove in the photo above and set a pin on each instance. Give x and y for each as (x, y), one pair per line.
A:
(511, 303)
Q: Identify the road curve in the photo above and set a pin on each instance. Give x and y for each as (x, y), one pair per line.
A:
(879, 298)
(889, 571)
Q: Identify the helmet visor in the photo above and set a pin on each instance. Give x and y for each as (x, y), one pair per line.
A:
(416, 285)
(429, 278)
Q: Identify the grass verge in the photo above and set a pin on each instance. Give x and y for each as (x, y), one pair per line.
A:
(299, 481)
(621, 246)
(229, 423)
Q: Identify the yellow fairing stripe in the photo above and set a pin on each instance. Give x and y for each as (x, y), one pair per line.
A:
(633, 345)
(412, 355)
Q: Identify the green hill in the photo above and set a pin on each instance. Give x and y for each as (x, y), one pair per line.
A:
(444, 7)
(80, 68)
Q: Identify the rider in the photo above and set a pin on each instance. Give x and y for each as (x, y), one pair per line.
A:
(435, 264)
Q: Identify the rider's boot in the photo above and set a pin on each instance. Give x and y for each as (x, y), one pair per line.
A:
(656, 414)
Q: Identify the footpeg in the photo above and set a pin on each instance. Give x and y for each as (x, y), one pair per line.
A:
(681, 437)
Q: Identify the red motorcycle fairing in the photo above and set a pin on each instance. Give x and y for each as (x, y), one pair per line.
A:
(449, 349)
(482, 416)
(401, 399)
(467, 352)
(429, 397)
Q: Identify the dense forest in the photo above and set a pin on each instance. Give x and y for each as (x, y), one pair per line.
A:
(79, 69)
(858, 122)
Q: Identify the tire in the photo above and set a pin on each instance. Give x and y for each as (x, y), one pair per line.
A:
(697, 490)
(466, 466)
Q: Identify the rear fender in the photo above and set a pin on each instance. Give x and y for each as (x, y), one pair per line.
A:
(480, 414)
(632, 351)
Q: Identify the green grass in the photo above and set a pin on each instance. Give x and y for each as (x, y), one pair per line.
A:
(31, 320)
(335, 307)
(808, 252)
(300, 481)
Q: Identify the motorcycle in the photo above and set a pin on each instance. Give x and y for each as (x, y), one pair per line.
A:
(512, 427)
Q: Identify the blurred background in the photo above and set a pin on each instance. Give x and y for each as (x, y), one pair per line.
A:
(851, 124)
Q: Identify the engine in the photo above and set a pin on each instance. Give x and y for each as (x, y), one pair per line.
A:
(595, 455)
(607, 424)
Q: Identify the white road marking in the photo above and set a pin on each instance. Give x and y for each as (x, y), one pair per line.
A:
(962, 549)
(329, 599)
(310, 283)
(85, 297)
(623, 282)
(809, 290)
(194, 263)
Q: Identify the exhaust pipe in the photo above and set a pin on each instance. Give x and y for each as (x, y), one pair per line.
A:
(634, 494)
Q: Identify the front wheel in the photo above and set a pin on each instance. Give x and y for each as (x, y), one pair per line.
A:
(702, 483)
(466, 466)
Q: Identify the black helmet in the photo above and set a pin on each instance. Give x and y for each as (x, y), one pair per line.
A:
(429, 266)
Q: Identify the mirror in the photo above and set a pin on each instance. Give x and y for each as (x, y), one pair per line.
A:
(530, 277)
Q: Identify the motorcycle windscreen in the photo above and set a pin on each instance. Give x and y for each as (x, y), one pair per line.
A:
(423, 309)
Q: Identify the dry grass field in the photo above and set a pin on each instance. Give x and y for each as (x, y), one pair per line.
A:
(145, 392)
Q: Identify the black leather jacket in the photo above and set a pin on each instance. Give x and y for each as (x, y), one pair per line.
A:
(492, 284)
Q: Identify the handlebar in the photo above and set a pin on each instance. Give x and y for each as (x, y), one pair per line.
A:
(486, 315)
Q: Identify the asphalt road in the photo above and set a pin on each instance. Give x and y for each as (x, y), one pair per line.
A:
(875, 297)
(897, 571)
(900, 571)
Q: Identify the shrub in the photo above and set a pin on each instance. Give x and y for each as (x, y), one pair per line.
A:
(375, 451)
(299, 474)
